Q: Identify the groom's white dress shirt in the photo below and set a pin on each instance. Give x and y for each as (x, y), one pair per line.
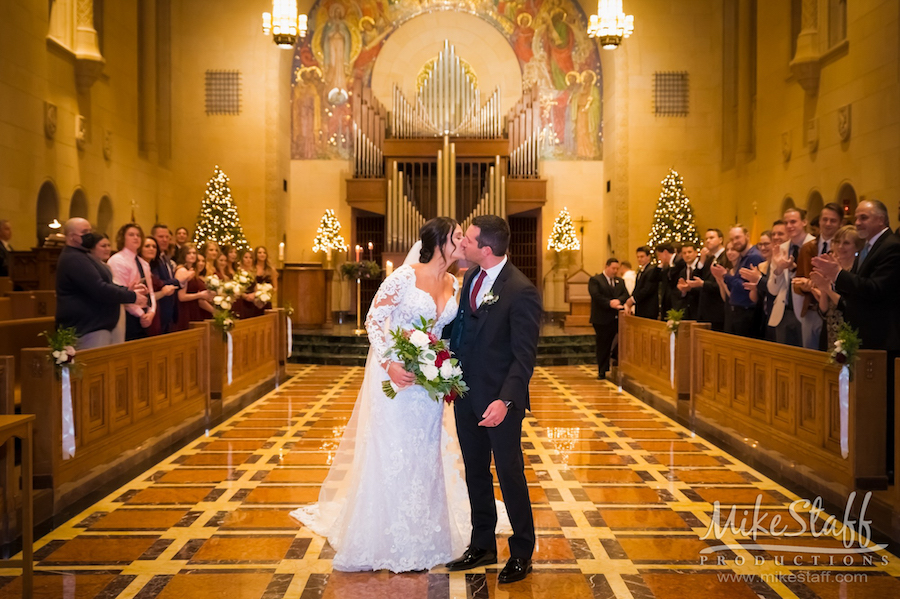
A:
(490, 276)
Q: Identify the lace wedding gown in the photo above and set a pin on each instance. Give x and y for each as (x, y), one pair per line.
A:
(395, 497)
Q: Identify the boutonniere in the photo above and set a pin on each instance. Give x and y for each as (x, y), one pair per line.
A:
(489, 299)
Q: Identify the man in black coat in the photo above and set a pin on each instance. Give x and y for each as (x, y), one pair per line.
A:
(86, 297)
(712, 306)
(164, 269)
(687, 298)
(668, 262)
(645, 297)
(5, 247)
(495, 337)
(608, 297)
(869, 291)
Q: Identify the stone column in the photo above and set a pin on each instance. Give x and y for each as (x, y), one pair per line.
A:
(805, 65)
(89, 62)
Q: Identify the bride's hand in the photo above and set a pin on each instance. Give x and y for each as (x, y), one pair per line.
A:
(400, 376)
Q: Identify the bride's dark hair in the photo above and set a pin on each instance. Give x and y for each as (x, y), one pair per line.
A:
(434, 234)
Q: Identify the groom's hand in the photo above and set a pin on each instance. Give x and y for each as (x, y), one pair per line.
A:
(494, 414)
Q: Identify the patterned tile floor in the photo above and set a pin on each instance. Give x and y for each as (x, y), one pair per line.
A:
(622, 498)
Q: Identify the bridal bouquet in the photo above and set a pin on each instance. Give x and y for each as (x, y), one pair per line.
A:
(227, 292)
(429, 358)
(264, 293)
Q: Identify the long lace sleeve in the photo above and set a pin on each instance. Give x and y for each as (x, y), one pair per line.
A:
(389, 296)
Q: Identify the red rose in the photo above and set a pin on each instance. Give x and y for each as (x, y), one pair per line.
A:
(432, 338)
(450, 397)
(840, 358)
(441, 356)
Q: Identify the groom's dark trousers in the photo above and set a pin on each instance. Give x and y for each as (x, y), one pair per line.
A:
(497, 346)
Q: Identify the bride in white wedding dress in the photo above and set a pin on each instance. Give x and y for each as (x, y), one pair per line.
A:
(395, 497)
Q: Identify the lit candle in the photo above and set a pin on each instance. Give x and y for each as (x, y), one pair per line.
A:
(358, 252)
(281, 251)
(388, 268)
(371, 247)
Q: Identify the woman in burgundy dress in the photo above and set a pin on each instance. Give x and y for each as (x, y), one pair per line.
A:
(193, 295)
(265, 273)
(248, 305)
(150, 253)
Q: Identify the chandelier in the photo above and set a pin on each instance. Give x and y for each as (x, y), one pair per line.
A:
(284, 23)
(611, 25)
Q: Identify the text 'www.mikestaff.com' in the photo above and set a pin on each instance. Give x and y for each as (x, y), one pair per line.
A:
(816, 576)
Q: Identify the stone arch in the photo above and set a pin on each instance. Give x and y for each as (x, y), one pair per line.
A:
(847, 198)
(814, 204)
(47, 209)
(787, 202)
(78, 205)
(104, 215)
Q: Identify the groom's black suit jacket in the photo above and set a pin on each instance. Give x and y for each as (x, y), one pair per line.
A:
(497, 344)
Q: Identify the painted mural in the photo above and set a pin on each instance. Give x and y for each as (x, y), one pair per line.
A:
(548, 36)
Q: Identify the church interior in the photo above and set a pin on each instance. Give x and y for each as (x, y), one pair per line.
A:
(331, 131)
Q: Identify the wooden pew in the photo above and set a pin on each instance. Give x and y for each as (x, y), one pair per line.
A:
(5, 309)
(6, 285)
(24, 304)
(645, 362)
(8, 483)
(255, 361)
(778, 405)
(130, 401)
(16, 335)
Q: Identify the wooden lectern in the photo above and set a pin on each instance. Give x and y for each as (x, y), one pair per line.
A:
(306, 286)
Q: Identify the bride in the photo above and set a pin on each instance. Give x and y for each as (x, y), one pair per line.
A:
(395, 497)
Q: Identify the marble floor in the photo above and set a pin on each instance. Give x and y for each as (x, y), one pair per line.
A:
(622, 498)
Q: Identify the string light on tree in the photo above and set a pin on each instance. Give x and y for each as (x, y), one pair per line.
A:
(219, 220)
(674, 218)
(563, 237)
(328, 235)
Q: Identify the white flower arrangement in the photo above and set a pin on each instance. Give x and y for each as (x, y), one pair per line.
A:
(489, 299)
(264, 293)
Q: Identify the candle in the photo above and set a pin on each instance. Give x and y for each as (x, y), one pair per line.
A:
(281, 251)
(358, 252)
(371, 246)
(388, 268)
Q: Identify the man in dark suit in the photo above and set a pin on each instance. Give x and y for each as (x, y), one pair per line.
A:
(712, 306)
(164, 269)
(869, 291)
(645, 298)
(688, 298)
(608, 297)
(668, 280)
(495, 337)
(5, 247)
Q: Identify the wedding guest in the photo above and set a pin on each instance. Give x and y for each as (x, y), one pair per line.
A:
(232, 253)
(102, 249)
(129, 269)
(787, 308)
(193, 294)
(741, 302)
(86, 297)
(221, 267)
(869, 291)
(688, 298)
(164, 270)
(779, 233)
(712, 306)
(264, 271)
(5, 247)
(627, 275)
(182, 238)
(830, 219)
(151, 253)
(668, 282)
(210, 251)
(846, 244)
(758, 278)
(814, 226)
(644, 300)
(608, 297)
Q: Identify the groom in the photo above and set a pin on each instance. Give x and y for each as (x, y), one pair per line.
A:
(495, 337)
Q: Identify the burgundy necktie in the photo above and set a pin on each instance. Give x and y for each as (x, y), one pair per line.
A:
(476, 289)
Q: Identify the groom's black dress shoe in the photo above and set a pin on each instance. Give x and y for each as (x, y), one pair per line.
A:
(517, 568)
(473, 558)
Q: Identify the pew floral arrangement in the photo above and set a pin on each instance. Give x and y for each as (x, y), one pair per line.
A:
(430, 359)
(845, 348)
(673, 320)
(62, 347)
(223, 321)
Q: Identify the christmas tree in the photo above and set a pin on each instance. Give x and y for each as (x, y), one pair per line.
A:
(219, 220)
(328, 236)
(674, 218)
(563, 236)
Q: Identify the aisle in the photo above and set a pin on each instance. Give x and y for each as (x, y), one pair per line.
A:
(621, 497)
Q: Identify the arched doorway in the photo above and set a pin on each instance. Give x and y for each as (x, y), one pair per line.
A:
(846, 198)
(787, 202)
(814, 204)
(47, 210)
(104, 215)
(78, 206)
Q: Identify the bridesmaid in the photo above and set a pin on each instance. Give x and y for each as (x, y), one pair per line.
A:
(265, 273)
(248, 307)
(221, 268)
(150, 253)
(193, 291)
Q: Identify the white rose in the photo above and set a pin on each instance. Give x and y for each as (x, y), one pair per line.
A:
(419, 339)
(446, 370)
(226, 304)
(57, 354)
(430, 371)
(457, 371)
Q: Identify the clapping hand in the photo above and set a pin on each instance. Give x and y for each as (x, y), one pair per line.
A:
(400, 376)
(781, 260)
(827, 266)
(801, 285)
(751, 275)
(683, 286)
(704, 254)
(818, 281)
(718, 271)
